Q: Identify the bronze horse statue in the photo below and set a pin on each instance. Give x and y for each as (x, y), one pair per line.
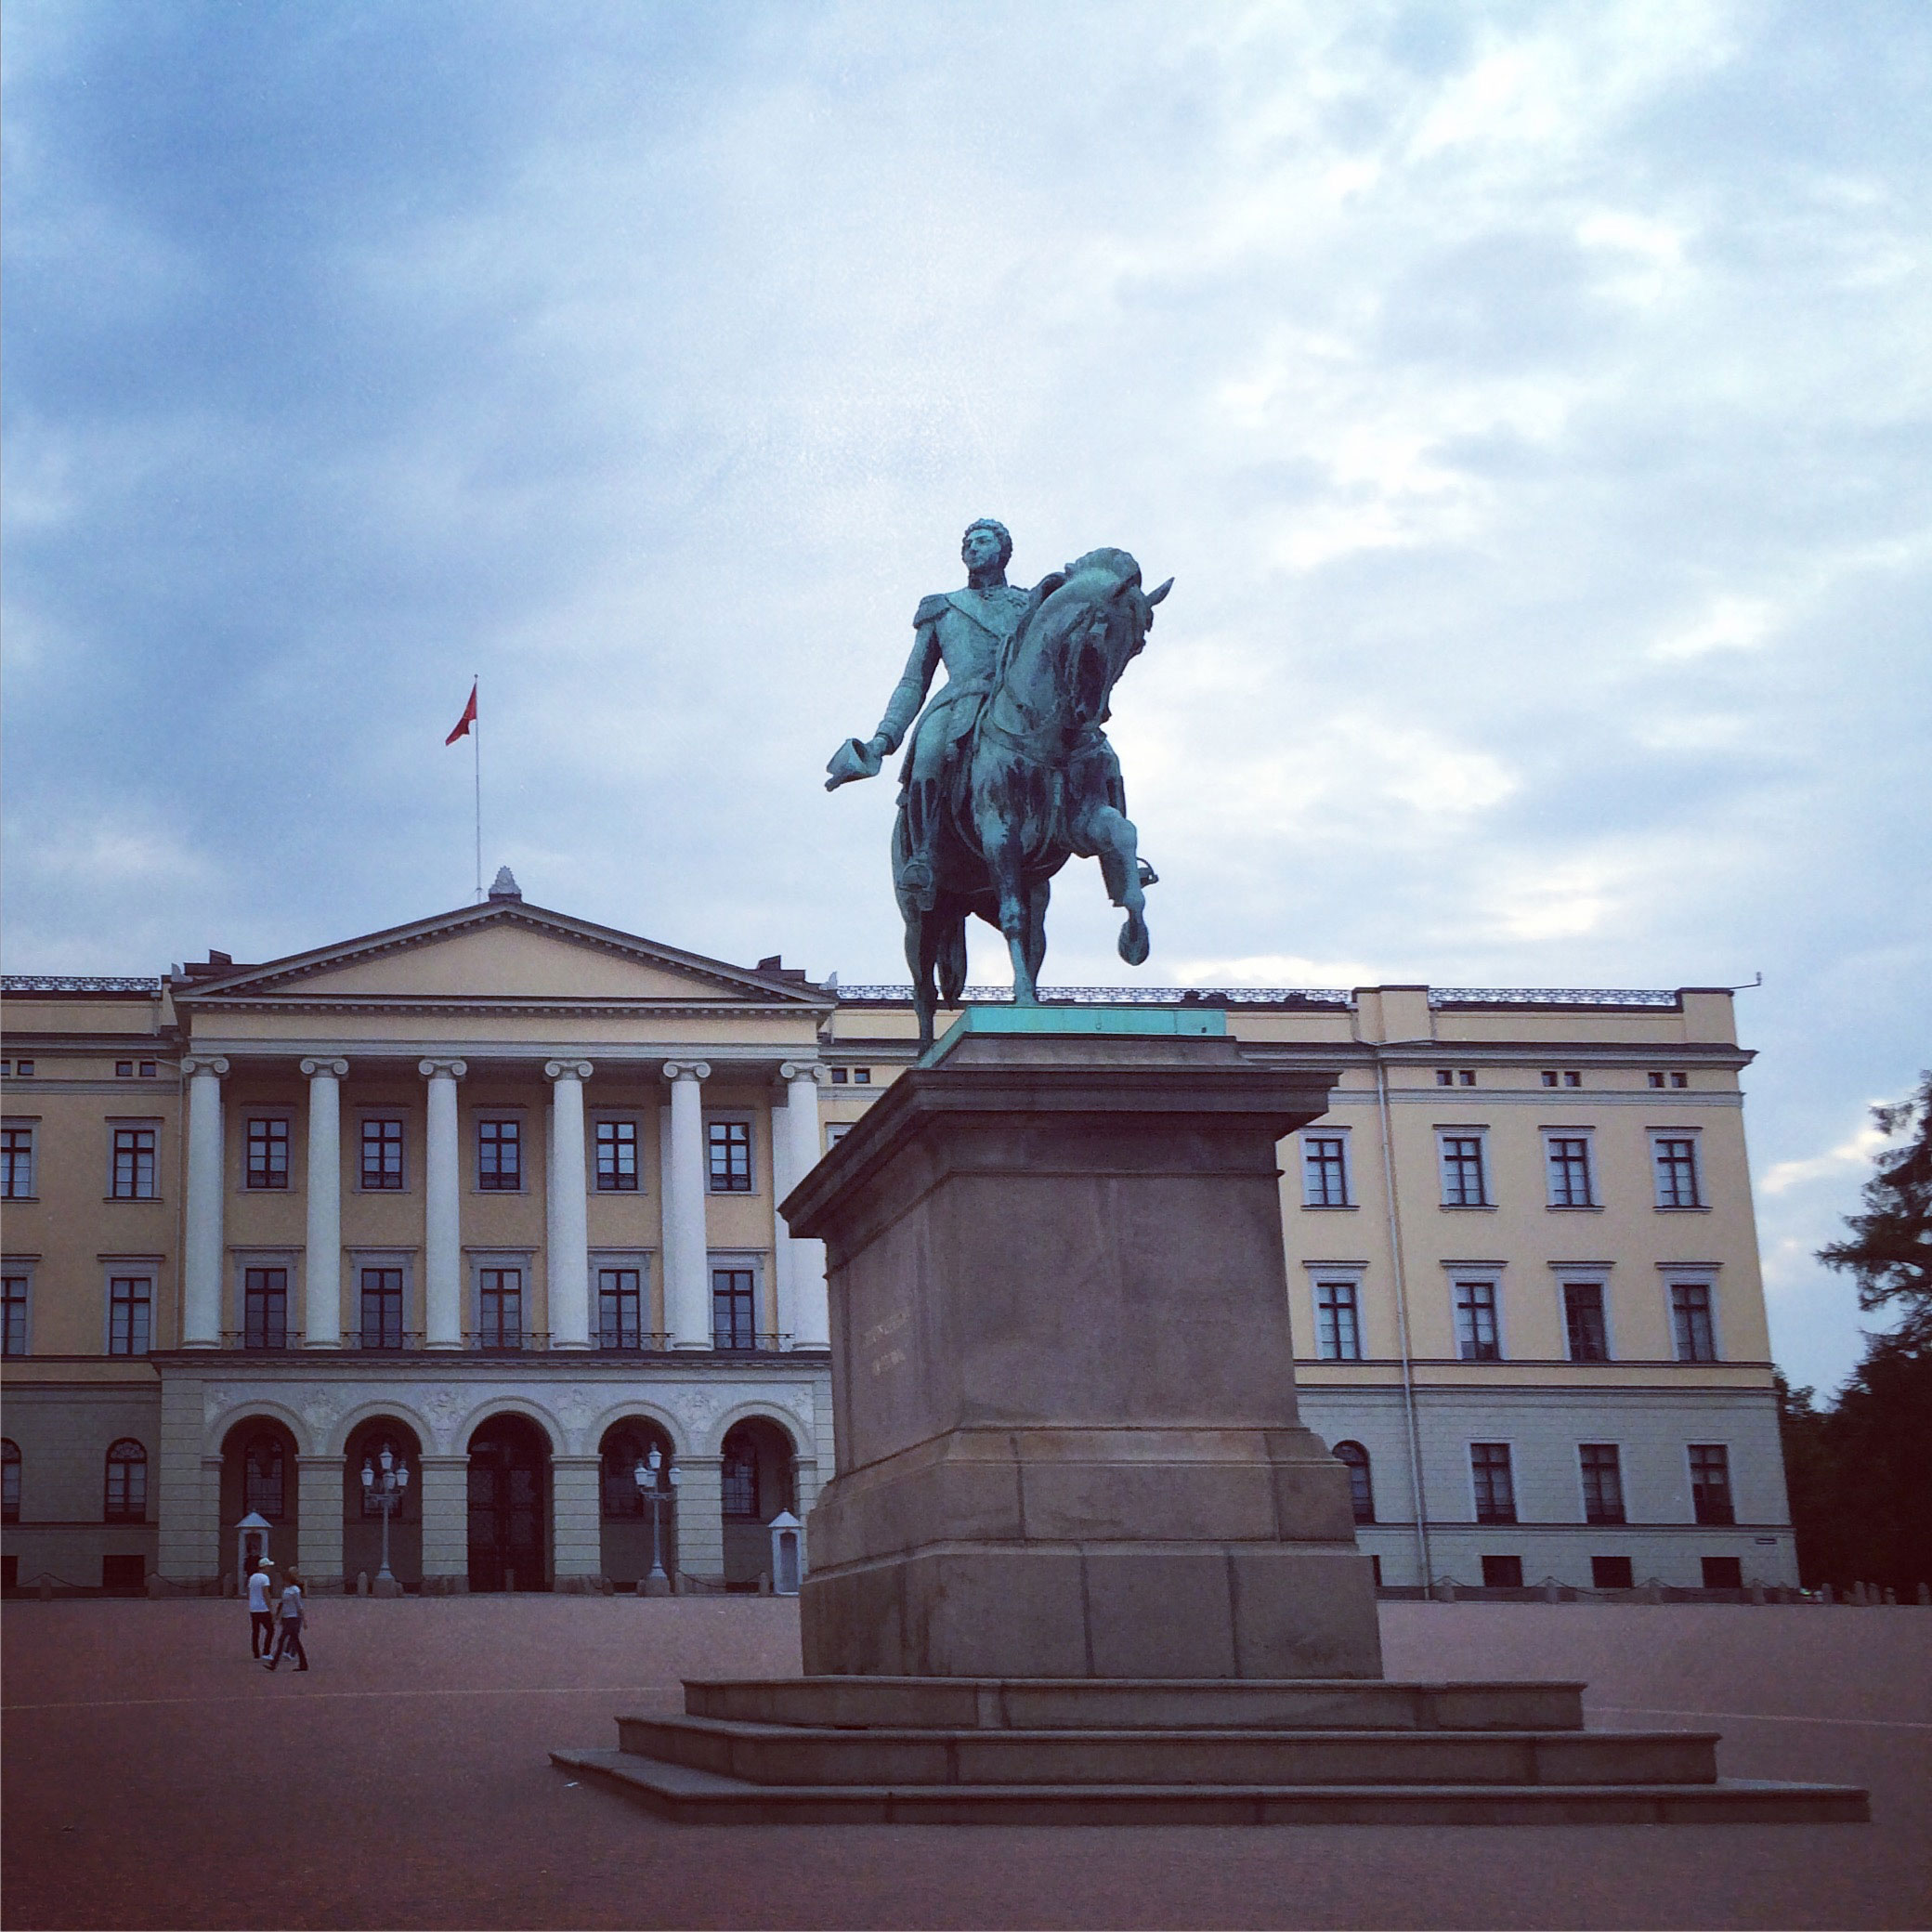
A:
(1037, 785)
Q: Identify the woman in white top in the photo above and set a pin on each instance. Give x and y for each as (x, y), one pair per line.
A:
(290, 1638)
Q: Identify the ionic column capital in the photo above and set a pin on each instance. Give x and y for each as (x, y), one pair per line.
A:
(336, 1069)
(194, 1065)
(447, 1069)
(567, 1069)
(687, 1070)
(793, 1070)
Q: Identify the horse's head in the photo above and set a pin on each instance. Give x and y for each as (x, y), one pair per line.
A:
(1107, 630)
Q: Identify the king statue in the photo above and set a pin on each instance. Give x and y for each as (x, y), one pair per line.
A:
(966, 631)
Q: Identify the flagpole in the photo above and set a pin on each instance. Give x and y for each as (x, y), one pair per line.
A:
(476, 754)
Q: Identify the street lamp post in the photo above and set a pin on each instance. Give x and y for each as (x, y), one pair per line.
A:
(658, 1487)
(386, 1490)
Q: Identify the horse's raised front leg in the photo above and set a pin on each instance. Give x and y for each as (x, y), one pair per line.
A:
(1112, 835)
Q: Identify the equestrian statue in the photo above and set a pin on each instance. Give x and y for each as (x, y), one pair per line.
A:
(1009, 773)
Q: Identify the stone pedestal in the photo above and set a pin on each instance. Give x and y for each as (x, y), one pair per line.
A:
(1063, 1389)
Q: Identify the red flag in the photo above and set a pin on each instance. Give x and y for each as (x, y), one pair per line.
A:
(468, 718)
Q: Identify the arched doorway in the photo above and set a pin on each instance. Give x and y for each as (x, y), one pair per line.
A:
(509, 1498)
(625, 1529)
(258, 1478)
(362, 1517)
(755, 1476)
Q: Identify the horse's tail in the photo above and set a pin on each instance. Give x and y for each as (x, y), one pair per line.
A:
(952, 960)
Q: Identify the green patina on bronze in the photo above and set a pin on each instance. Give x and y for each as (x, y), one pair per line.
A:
(1010, 773)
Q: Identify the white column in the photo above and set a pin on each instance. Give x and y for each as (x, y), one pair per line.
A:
(810, 1324)
(322, 1264)
(442, 1208)
(686, 1279)
(568, 1237)
(207, 1182)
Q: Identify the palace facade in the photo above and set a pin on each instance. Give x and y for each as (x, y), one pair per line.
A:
(497, 1192)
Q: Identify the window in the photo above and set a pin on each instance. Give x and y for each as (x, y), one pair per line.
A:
(1672, 1079)
(730, 1146)
(263, 1478)
(148, 1069)
(623, 1453)
(840, 1076)
(1674, 1161)
(13, 1316)
(24, 1068)
(1680, 1079)
(382, 1156)
(835, 1132)
(1602, 1482)
(1495, 1486)
(500, 1303)
(1355, 1458)
(1611, 1574)
(1551, 1077)
(127, 1482)
(1463, 1182)
(1710, 1483)
(1654, 1079)
(134, 1163)
(500, 1157)
(1567, 1158)
(1337, 1322)
(1573, 1080)
(16, 1163)
(130, 1314)
(1455, 1076)
(382, 1308)
(1722, 1573)
(1477, 1337)
(738, 1472)
(734, 1314)
(1691, 1323)
(1324, 1170)
(617, 1156)
(620, 1308)
(123, 1069)
(1502, 1573)
(10, 1481)
(265, 1309)
(1584, 1322)
(267, 1152)
(1445, 1077)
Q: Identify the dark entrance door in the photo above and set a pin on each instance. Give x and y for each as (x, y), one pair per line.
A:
(508, 1461)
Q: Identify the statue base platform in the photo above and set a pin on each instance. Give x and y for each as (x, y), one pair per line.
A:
(962, 1751)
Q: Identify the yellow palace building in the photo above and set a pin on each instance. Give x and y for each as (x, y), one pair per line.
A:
(497, 1192)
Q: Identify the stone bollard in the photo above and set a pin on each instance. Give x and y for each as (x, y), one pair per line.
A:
(1891, 1596)
(764, 1582)
(1445, 1591)
(1653, 1591)
(46, 1587)
(1552, 1590)
(361, 1582)
(1756, 1591)
(1926, 1595)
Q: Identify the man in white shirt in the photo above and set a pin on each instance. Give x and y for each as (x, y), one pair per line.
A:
(261, 1619)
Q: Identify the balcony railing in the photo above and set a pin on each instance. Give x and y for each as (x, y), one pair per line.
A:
(746, 1343)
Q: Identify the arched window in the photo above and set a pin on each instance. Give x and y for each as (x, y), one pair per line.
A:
(739, 1473)
(10, 1481)
(127, 1482)
(262, 1479)
(1361, 1484)
(623, 1450)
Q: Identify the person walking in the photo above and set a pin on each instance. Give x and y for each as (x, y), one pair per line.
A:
(261, 1620)
(289, 1637)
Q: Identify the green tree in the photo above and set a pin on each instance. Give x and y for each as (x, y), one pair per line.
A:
(1889, 1254)
(1860, 1470)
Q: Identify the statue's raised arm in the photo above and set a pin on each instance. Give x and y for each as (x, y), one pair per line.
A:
(1008, 771)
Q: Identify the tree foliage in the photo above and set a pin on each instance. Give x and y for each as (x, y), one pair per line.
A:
(1860, 1469)
(1889, 1254)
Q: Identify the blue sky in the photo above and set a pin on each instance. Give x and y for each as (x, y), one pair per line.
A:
(1530, 400)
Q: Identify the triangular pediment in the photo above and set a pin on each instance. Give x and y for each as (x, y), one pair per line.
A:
(506, 951)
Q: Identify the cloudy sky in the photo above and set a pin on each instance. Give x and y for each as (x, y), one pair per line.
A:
(1531, 402)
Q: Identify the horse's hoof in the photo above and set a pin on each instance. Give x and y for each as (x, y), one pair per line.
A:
(1133, 940)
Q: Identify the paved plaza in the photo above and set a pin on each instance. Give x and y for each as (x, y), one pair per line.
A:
(155, 1776)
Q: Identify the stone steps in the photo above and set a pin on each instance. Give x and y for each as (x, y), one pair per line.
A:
(1147, 1704)
(684, 1795)
(801, 1754)
(1170, 1751)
